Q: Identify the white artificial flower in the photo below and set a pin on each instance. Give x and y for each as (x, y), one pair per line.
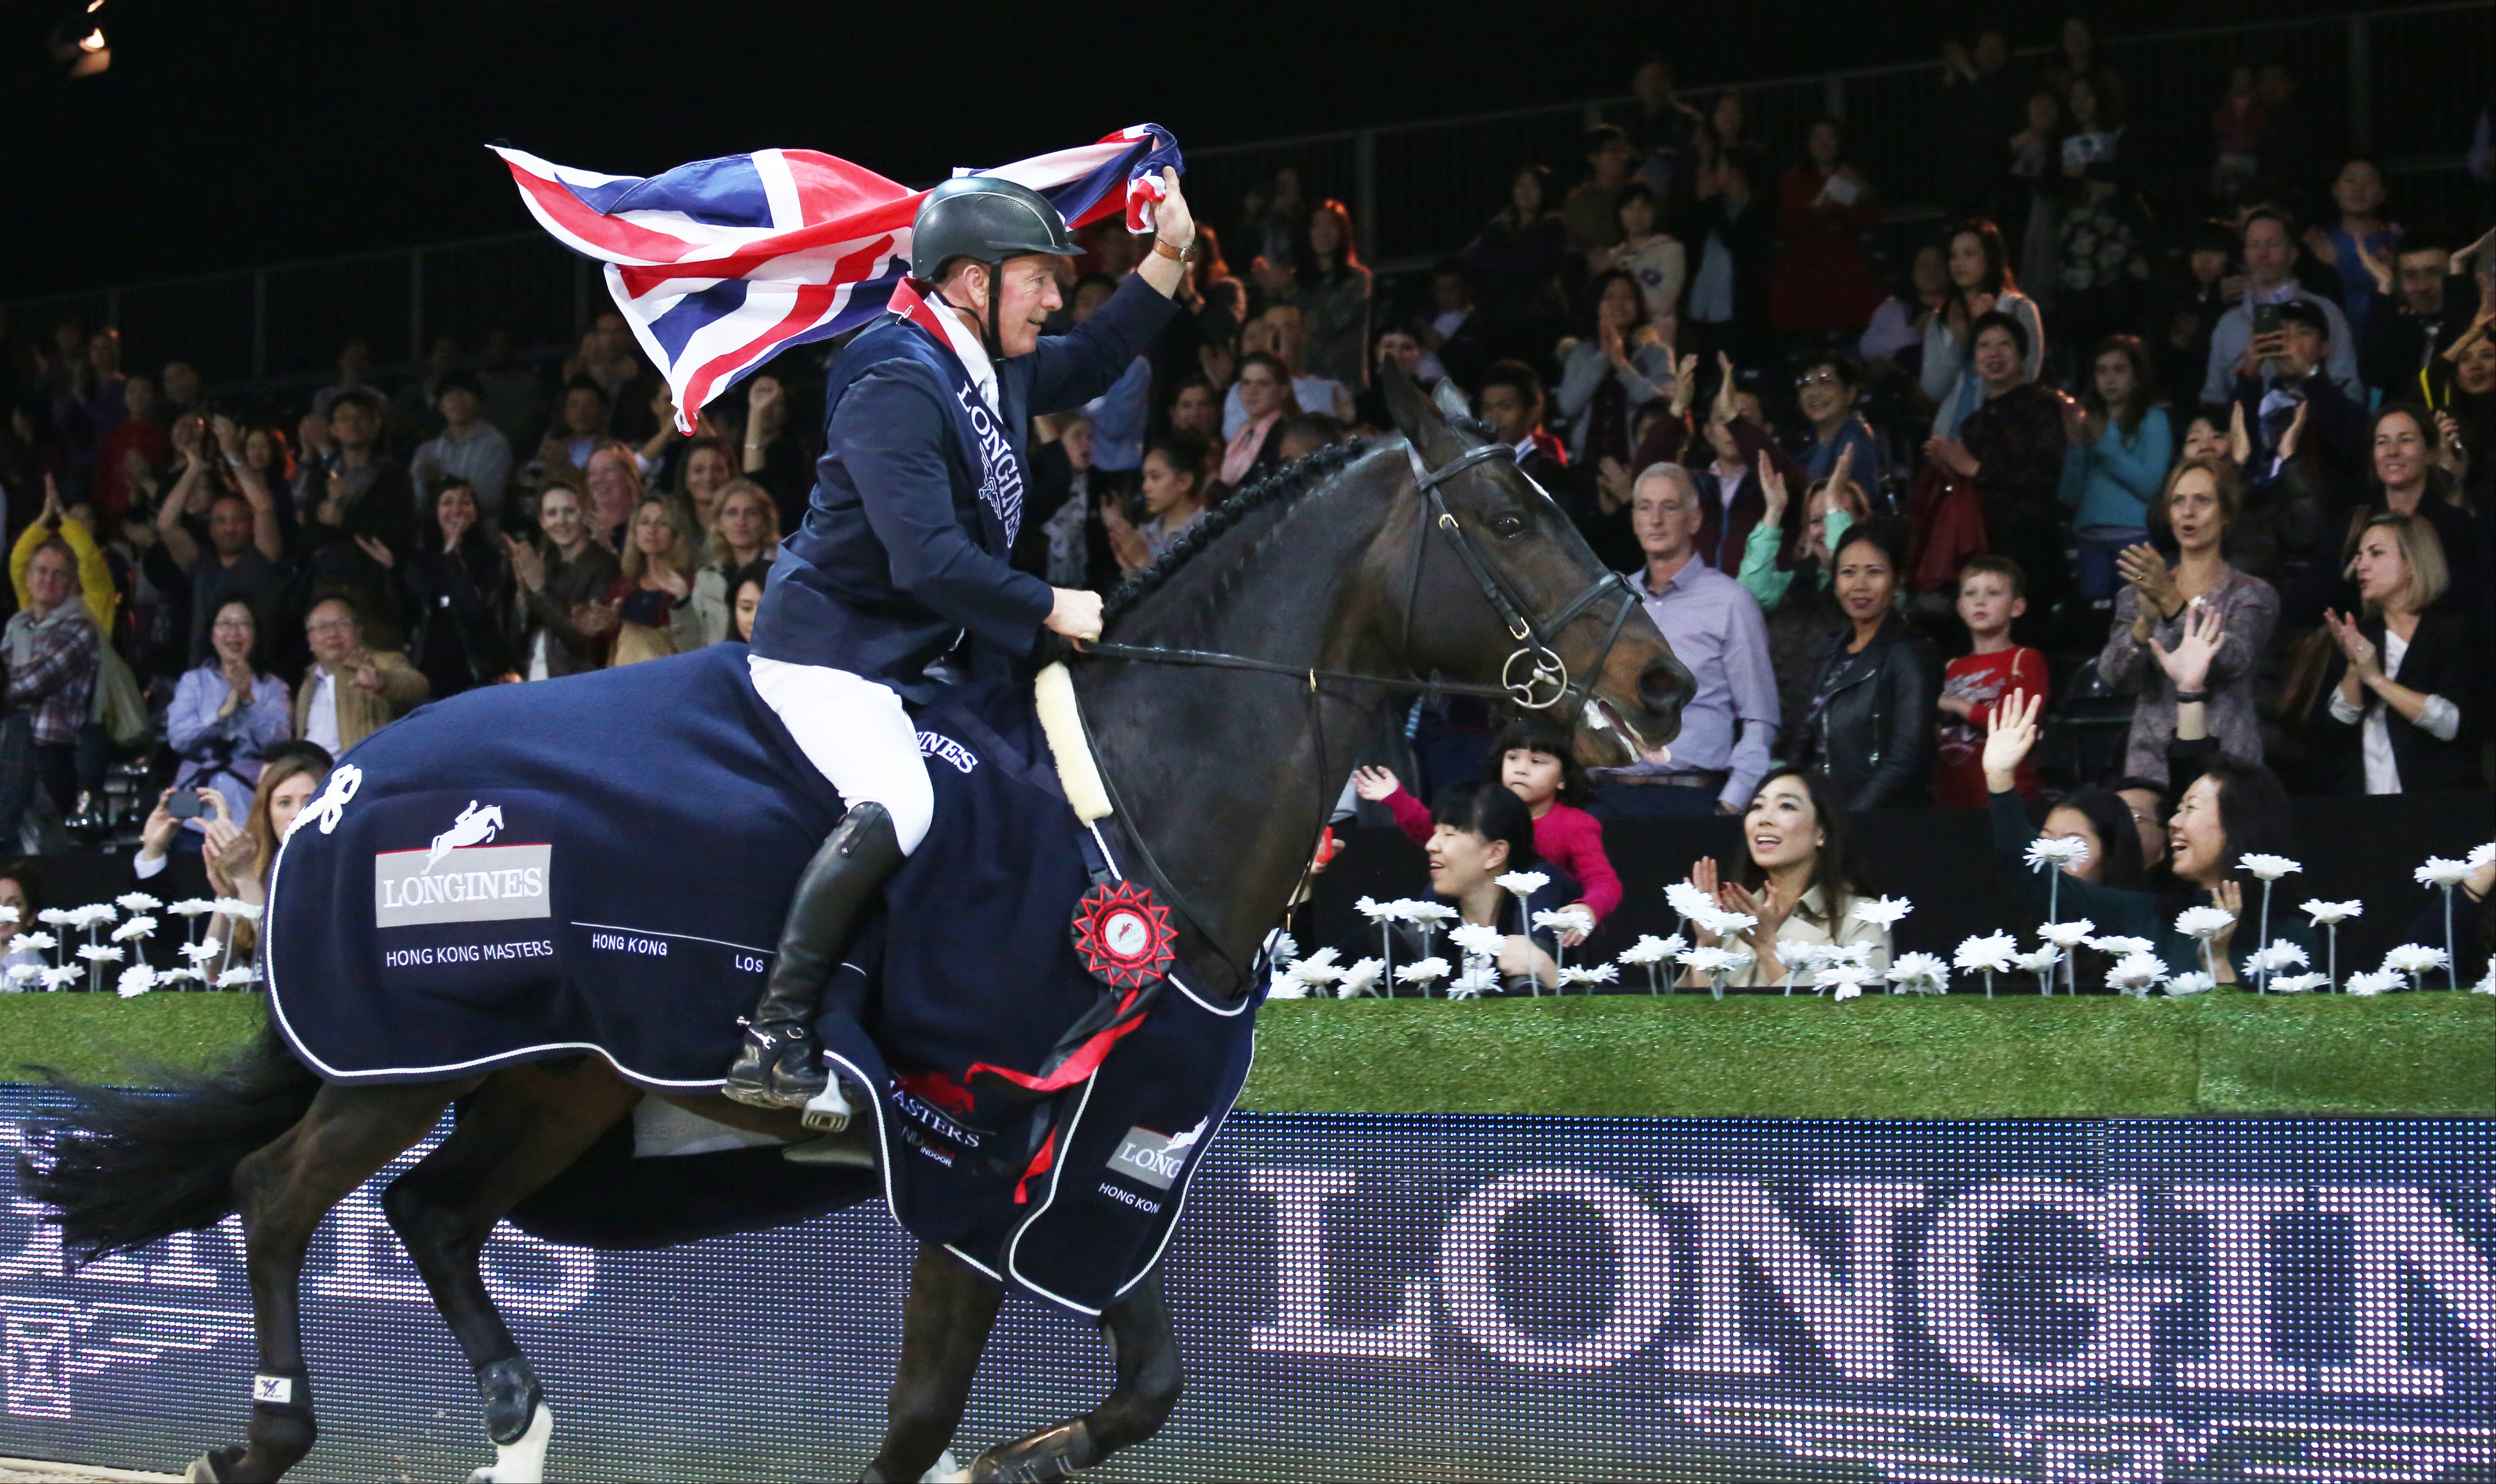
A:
(1562, 919)
(2267, 867)
(1280, 947)
(2379, 984)
(2039, 962)
(1921, 974)
(2137, 972)
(2194, 981)
(2122, 947)
(2279, 956)
(136, 981)
(1360, 977)
(1428, 913)
(2297, 983)
(2413, 959)
(1847, 978)
(54, 978)
(2486, 984)
(56, 917)
(237, 908)
(2480, 856)
(1477, 939)
(1285, 987)
(192, 907)
(96, 953)
(1648, 949)
(2068, 935)
(2203, 921)
(1710, 960)
(2440, 871)
(1376, 911)
(2070, 850)
(1800, 956)
(238, 977)
(1688, 901)
(138, 901)
(1991, 951)
(1860, 955)
(2325, 914)
(135, 928)
(202, 952)
(1881, 912)
(38, 942)
(1317, 970)
(9, 915)
(1523, 884)
(180, 975)
(1600, 973)
(23, 973)
(1723, 924)
(1424, 971)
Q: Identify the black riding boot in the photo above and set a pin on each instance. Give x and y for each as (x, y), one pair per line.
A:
(780, 1065)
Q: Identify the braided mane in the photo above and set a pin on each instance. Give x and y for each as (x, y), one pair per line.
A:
(1282, 487)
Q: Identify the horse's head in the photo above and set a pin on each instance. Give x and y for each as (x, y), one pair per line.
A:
(1501, 589)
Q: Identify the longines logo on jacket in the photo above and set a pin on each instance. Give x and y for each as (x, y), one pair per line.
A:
(1156, 1158)
(1001, 487)
(458, 879)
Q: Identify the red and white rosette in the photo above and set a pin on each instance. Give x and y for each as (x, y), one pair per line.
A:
(1123, 934)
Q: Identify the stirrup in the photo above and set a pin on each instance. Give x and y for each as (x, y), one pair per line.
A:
(828, 1111)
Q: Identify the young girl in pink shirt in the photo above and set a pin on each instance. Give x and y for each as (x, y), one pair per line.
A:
(1534, 760)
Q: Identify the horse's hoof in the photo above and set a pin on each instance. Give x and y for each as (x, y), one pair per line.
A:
(1049, 1454)
(945, 1470)
(521, 1461)
(217, 1465)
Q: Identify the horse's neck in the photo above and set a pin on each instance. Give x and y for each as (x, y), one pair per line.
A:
(1228, 776)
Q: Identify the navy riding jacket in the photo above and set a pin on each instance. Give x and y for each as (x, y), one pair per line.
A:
(898, 557)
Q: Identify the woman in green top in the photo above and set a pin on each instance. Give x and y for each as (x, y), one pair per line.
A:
(2230, 810)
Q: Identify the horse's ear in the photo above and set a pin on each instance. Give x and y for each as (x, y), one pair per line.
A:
(1451, 402)
(1419, 417)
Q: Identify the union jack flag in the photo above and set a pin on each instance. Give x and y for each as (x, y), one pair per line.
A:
(721, 265)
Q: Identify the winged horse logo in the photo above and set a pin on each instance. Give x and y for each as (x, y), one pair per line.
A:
(474, 827)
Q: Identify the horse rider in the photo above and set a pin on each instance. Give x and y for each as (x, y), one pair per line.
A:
(900, 561)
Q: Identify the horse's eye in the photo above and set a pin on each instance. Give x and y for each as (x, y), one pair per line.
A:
(1507, 525)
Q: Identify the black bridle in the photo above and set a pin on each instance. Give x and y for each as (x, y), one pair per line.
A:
(1545, 684)
(1545, 681)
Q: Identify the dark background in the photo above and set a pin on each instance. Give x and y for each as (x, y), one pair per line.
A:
(243, 132)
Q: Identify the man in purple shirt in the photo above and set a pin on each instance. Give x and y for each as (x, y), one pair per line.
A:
(1729, 728)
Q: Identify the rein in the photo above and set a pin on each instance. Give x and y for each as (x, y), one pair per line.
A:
(1543, 683)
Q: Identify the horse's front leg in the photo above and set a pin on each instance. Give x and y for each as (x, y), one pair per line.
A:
(1150, 1378)
(944, 1326)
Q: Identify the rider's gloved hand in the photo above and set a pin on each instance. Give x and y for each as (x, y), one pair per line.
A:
(1077, 615)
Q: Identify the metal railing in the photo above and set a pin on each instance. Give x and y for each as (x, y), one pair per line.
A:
(2400, 82)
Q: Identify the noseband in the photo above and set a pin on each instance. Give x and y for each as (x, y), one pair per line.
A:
(1535, 677)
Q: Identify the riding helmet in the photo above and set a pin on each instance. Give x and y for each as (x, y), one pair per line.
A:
(987, 219)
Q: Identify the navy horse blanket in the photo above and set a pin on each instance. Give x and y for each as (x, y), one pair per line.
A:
(600, 864)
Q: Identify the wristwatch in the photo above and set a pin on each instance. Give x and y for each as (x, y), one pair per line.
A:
(1173, 253)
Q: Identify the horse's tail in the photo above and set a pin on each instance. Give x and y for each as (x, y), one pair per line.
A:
(129, 1166)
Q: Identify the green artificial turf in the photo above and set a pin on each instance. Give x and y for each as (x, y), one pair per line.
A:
(106, 1039)
(1681, 1055)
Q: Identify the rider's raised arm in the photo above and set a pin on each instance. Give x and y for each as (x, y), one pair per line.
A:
(1070, 369)
(893, 432)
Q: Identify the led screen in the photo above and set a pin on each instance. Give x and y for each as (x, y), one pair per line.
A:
(1456, 1299)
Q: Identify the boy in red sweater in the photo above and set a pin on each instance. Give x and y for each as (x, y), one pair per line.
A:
(1535, 761)
(1992, 593)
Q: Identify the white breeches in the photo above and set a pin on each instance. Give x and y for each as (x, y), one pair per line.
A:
(856, 734)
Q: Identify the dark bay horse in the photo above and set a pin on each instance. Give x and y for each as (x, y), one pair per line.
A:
(1245, 670)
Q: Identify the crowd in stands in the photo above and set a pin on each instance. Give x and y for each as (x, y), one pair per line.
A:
(1873, 468)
